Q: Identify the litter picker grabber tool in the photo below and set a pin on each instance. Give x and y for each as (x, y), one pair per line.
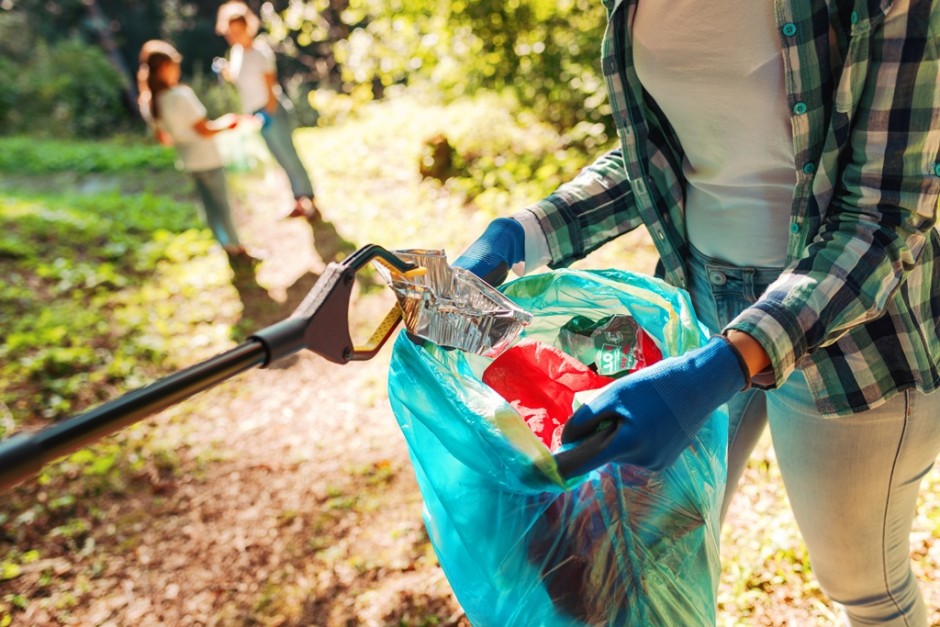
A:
(320, 324)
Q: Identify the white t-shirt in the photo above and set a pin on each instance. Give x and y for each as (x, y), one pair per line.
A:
(247, 68)
(715, 69)
(179, 110)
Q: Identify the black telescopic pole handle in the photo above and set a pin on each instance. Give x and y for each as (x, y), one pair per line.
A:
(24, 454)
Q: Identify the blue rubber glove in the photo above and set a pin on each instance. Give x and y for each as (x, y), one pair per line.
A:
(654, 413)
(500, 247)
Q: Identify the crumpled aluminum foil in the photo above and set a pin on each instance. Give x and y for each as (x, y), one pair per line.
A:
(452, 307)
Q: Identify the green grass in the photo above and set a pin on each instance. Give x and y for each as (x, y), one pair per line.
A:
(29, 155)
(99, 289)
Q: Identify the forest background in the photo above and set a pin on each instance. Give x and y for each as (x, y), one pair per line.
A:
(285, 497)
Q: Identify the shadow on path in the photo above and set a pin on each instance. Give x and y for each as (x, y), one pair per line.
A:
(329, 244)
(259, 310)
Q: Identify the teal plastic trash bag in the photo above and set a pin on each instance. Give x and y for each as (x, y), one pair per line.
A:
(520, 545)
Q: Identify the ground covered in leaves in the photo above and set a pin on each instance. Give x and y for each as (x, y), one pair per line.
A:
(285, 496)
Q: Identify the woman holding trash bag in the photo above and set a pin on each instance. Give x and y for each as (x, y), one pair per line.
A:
(785, 158)
(251, 67)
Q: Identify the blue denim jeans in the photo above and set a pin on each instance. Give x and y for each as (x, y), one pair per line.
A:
(218, 214)
(852, 481)
(277, 135)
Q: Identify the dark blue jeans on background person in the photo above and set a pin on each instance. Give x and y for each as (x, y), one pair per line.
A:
(277, 135)
(218, 213)
(852, 481)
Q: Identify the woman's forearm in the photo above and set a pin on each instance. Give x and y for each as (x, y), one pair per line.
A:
(753, 353)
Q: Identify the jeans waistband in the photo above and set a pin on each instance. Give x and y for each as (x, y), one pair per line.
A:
(752, 280)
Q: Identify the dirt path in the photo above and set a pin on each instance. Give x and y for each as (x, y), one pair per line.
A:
(308, 514)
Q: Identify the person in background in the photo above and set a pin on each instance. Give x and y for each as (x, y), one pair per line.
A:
(785, 158)
(179, 118)
(251, 68)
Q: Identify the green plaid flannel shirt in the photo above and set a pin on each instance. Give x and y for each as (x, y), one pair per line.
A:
(858, 305)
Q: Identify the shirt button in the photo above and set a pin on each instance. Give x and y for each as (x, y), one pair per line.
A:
(936, 169)
(794, 228)
(799, 108)
(789, 29)
(854, 17)
(809, 167)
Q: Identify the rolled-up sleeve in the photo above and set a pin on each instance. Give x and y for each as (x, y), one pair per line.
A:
(585, 213)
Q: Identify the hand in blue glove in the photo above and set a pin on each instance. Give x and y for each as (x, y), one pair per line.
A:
(500, 247)
(655, 412)
(264, 117)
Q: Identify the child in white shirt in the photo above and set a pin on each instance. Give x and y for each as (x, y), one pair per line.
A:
(178, 117)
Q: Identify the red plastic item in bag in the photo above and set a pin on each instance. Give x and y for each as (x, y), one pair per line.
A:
(540, 382)
(648, 352)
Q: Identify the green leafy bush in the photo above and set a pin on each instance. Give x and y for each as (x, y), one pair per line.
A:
(66, 88)
(544, 53)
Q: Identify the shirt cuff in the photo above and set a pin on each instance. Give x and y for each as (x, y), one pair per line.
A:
(537, 253)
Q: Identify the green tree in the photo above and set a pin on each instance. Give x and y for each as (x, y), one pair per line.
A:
(544, 52)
